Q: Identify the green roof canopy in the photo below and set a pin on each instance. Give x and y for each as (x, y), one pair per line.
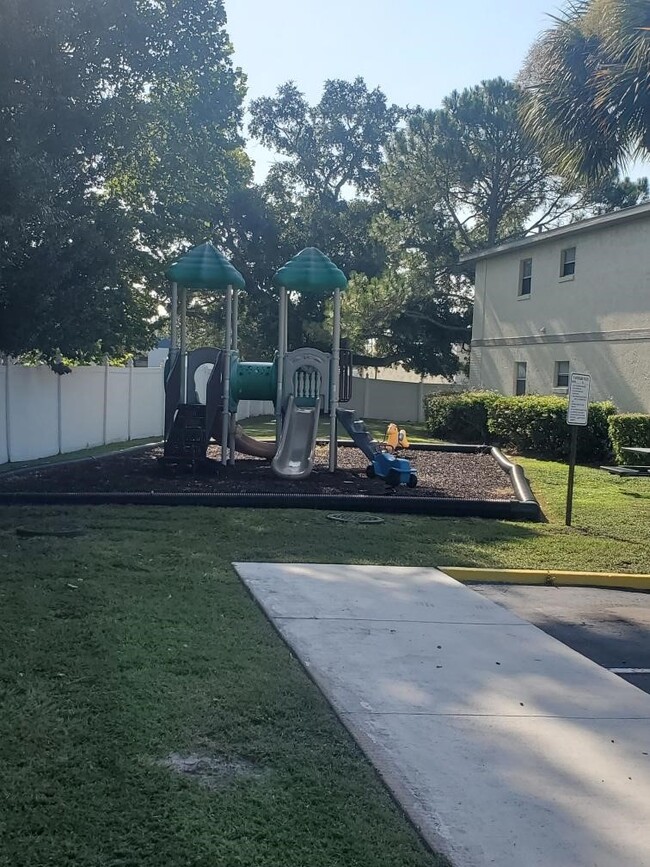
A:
(204, 267)
(310, 272)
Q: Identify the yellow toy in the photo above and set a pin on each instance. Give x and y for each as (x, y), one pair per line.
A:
(395, 438)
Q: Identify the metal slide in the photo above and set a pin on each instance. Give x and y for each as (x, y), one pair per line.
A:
(295, 455)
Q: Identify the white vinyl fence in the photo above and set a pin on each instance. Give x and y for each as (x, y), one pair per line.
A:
(396, 401)
(43, 414)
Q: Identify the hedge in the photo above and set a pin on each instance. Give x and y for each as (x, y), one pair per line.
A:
(538, 425)
(459, 418)
(630, 429)
(528, 424)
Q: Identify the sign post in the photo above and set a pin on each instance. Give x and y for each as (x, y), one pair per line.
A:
(577, 416)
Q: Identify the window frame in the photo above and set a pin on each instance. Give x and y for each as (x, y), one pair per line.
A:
(568, 263)
(557, 374)
(519, 379)
(523, 277)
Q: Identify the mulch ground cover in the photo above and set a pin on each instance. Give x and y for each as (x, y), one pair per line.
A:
(440, 474)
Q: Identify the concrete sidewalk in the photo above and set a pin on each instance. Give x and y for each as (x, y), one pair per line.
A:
(504, 746)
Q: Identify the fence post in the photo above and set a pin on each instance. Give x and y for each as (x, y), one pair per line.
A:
(366, 398)
(59, 419)
(105, 420)
(130, 402)
(420, 415)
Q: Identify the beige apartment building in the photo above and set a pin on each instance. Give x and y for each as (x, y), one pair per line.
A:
(573, 299)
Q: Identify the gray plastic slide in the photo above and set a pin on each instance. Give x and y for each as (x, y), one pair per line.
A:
(294, 458)
(359, 433)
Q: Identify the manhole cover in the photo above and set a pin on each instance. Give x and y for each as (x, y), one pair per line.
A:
(352, 518)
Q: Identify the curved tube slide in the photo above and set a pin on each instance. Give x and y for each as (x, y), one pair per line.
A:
(245, 444)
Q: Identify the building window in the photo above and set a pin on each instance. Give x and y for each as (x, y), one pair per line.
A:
(568, 262)
(520, 377)
(525, 276)
(561, 374)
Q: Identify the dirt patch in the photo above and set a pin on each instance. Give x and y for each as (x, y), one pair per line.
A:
(211, 772)
(440, 474)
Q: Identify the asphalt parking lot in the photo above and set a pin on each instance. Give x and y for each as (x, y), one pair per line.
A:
(611, 627)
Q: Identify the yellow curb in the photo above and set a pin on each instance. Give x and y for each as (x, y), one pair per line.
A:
(552, 577)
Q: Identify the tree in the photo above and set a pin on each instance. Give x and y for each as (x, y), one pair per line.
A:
(334, 145)
(100, 103)
(588, 87)
(324, 193)
(472, 161)
(611, 193)
(456, 179)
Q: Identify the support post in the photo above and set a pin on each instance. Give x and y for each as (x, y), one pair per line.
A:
(235, 319)
(183, 325)
(232, 425)
(573, 453)
(225, 414)
(334, 379)
(234, 341)
(282, 351)
(173, 342)
(8, 407)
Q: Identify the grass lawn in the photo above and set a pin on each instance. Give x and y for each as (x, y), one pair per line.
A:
(263, 427)
(137, 640)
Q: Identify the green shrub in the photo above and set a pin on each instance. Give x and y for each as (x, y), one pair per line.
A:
(459, 418)
(630, 429)
(531, 424)
(537, 425)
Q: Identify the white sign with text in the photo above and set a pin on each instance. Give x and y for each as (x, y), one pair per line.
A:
(579, 385)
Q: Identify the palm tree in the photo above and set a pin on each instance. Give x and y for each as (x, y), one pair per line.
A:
(587, 82)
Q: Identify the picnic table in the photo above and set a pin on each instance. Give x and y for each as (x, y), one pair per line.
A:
(643, 470)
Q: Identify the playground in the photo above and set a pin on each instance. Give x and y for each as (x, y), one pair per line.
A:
(316, 452)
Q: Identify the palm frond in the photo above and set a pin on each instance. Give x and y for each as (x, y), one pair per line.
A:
(588, 91)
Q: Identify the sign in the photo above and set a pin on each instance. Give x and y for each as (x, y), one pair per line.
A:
(579, 386)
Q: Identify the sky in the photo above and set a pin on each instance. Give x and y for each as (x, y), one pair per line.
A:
(416, 51)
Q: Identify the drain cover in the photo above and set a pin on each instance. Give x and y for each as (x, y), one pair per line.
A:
(354, 518)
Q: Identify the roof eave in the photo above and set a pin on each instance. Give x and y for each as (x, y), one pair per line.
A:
(626, 215)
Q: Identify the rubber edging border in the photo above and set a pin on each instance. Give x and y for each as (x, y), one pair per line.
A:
(513, 510)
(49, 465)
(517, 477)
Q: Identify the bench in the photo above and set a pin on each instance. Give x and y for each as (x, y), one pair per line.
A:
(628, 471)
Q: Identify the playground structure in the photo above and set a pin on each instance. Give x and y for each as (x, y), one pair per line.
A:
(301, 383)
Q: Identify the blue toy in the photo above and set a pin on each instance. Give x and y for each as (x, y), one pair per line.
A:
(395, 471)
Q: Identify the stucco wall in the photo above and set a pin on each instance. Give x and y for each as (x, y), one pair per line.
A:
(620, 371)
(609, 292)
(599, 321)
